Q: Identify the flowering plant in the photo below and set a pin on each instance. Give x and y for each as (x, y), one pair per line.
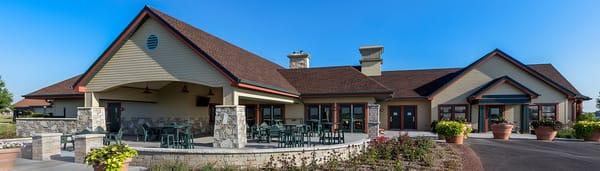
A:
(7, 145)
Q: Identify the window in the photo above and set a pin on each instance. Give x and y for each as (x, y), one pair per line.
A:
(534, 113)
(453, 112)
(542, 111)
(318, 114)
(272, 114)
(548, 112)
(352, 117)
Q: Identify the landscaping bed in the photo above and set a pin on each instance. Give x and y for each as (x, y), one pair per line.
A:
(7, 128)
(400, 153)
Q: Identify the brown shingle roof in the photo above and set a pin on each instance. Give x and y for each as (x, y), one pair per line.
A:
(421, 83)
(24, 103)
(332, 80)
(244, 65)
(63, 88)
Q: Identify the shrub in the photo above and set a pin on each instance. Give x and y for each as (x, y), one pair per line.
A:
(587, 117)
(111, 156)
(452, 128)
(556, 125)
(586, 128)
(172, 166)
(566, 133)
(433, 124)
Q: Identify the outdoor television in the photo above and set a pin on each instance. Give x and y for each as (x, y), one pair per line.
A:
(202, 101)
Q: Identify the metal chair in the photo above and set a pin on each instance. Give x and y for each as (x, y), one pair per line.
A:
(141, 131)
(65, 139)
(116, 137)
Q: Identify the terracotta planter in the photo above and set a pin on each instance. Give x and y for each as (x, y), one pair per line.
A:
(125, 166)
(594, 137)
(545, 133)
(502, 131)
(455, 139)
(8, 158)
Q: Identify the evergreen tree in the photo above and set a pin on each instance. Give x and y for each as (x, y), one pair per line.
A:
(5, 96)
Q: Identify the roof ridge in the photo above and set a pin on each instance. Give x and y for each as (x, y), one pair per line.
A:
(324, 67)
(422, 69)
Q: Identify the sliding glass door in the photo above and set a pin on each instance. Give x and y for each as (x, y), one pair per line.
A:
(352, 117)
(317, 114)
(272, 114)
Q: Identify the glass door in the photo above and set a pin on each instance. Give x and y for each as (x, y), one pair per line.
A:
(352, 117)
(345, 118)
(494, 113)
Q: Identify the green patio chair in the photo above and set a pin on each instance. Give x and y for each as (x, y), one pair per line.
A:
(187, 138)
(117, 137)
(167, 138)
(338, 137)
(66, 139)
(264, 134)
(140, 131)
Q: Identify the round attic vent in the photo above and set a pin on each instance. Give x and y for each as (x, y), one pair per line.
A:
(152, 42)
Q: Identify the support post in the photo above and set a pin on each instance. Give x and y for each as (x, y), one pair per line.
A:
(373, 129)
(85, 143)
(230, 126)
(91, 118)
(45, 146)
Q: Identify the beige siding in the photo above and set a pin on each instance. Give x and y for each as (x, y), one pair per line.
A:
(496, 67)
(170, 61)
(503, 89)
(423, 112)
(66, 107)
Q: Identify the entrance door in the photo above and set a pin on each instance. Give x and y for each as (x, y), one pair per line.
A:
(493, 113)
(113, 117)
(410, 118)
(395, 113)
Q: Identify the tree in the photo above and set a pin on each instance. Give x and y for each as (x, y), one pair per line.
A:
(598, 102)
(5, 96)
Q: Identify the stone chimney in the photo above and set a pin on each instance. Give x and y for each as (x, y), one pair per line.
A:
(370, 61)
(299, 59)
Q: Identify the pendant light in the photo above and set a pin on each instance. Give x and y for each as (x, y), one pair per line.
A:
(210, 93)
(185, 89)
(147, 90)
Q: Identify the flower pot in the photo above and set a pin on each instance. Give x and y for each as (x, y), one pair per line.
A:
(124, 167)
(8, 158)
(594, 137)
(455, 139)
(545, 133)
(502, 131)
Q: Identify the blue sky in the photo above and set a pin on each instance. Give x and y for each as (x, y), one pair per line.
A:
(43, 42)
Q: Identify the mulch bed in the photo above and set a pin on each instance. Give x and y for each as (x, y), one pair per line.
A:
(470, 159)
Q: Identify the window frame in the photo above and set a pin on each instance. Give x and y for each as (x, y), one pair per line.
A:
(453, 111)
(540, 111)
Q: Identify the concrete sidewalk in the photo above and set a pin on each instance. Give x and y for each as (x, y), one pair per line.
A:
(63, 163)
(487, 135)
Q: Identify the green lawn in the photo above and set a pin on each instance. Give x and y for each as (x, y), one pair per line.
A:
(7, 128)
(5, 119)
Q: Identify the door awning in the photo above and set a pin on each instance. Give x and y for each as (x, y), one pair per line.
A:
(521, 95)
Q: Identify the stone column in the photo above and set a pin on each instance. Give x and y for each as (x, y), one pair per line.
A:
(45, 146)
(230, 126)
(85, 143)
(91, 118)
(373, 129)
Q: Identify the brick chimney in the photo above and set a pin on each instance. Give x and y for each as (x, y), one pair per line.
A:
(299, 59)
(370, 61)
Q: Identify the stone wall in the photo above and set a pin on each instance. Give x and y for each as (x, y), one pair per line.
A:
(27, 126)
(200, 125)
(87, 117)
(246, 158)
(26, 150)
